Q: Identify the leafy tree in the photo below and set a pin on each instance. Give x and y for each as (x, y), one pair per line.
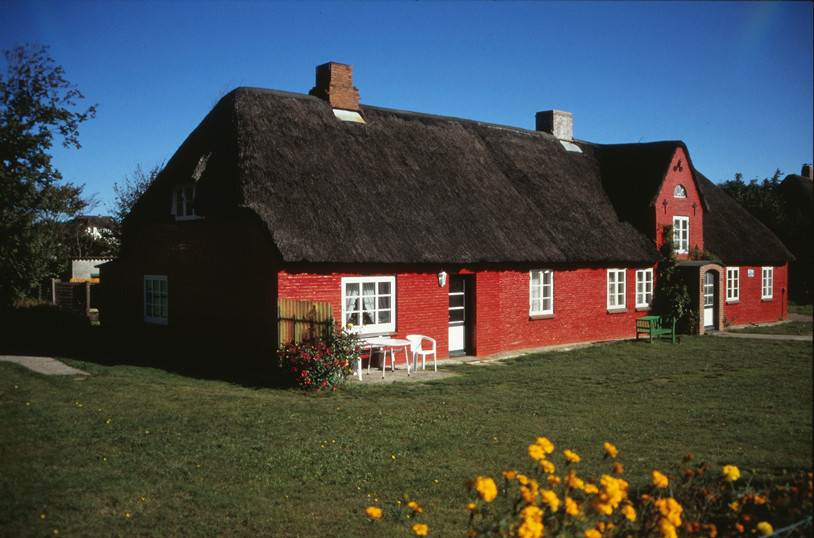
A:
(671, 300)
(37, 104)
(128, 193)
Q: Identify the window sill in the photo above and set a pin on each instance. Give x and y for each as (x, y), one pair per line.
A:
(644, 308)
(533, 317)
(189, 217)
(733, 301)
(767, 299)
(617, 310)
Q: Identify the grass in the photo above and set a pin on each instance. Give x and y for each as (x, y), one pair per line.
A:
(133, 450)
(805, 309)
(793, 328)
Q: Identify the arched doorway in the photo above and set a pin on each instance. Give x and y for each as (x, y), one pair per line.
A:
(711, 291)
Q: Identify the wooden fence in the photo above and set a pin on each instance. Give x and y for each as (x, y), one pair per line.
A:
(77, 296)
(303, 321)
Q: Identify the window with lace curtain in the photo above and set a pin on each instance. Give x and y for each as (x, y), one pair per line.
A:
(369, 303)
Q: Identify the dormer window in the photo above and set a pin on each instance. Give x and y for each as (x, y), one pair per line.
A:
(183, 202)
(680, 192)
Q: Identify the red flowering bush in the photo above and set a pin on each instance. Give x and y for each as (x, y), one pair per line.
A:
(320, 366)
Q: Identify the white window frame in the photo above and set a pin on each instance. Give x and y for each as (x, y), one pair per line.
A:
(767, 282)
(681, 234)
(679, 192)
(541, 292)
(361, 308)
(183, 202)
(152, 299)
(732, 284)
(616, 289)
(644, 288)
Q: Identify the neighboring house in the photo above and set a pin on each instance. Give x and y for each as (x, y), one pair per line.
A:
(96, 226)
(83, 269)
(485, 237)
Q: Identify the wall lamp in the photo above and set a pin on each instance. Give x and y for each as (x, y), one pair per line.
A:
(442, 279)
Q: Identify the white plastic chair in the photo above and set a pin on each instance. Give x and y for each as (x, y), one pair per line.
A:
(422, 345)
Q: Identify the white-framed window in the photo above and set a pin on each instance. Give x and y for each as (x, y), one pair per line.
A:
(732, 284)
(156, 299)
(369, 303)
(616, 288)
(679, 192)
(767, 283)
(183, 202)
(541, 292)
(644, 288)
(681, 234)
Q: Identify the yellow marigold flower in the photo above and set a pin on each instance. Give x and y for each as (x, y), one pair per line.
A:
(554, 480)
(667, 529)
(523, 479)
(618, 467)
(571, 507)
(420, 529)
(509, 474)
(373, 512)
(670, 509)
(414, 506)
(601, 505)
(759, 499)
(472, 507)
(593, 533)
(611, 450)
(551, 499)
(547, 466)
(486, 488)
(571, 456)
(659, 480)
(629, 512)
(572, 481)
(532, 526)
(529, 491)
(764, 528)
(590, 489)
(731, 473)
(546, 445)
(734, 506)
(536, 452)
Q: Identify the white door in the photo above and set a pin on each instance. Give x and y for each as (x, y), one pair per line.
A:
(709, 299)
(457, 315)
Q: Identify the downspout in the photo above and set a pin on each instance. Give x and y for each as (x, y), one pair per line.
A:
(783, 303)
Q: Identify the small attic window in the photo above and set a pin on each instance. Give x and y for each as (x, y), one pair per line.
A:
(680, 192)
(570, 146)
(183, 202)
(348, 115)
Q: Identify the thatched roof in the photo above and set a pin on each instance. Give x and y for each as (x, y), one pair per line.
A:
(403, 187)
(733, 234)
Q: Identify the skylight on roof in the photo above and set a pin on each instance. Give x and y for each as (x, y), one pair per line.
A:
(570, 147)
(348, 115)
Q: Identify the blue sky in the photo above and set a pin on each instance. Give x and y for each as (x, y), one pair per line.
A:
(733, 80)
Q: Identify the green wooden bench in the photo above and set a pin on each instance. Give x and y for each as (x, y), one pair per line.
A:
(652, 326)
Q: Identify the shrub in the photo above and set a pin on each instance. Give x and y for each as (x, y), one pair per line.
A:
(320, 366)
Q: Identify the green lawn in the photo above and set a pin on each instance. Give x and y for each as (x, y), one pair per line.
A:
(795, 328)
(139, 451)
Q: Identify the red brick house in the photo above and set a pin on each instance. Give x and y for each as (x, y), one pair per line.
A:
(485, 237)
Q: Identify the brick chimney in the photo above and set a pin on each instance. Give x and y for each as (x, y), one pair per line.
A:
(557, 123)
(806, 171)
(335, 85)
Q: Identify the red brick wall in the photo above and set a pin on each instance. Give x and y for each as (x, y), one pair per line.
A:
(501, 308)
(679, 173)
(751, 308)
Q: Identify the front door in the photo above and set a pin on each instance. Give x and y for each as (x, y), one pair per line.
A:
(460, 318)
(710, 299)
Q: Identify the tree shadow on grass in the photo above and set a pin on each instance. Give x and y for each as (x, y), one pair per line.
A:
(46, 330)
